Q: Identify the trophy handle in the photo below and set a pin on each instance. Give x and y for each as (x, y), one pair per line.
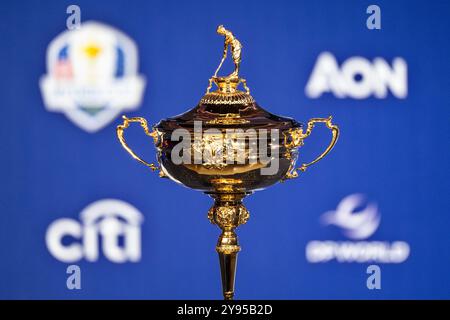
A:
(335, 134)
(143, 123)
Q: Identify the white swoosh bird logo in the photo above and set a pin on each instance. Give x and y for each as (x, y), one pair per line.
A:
(356, 225)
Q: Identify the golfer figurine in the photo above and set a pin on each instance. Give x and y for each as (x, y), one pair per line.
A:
(235, 47)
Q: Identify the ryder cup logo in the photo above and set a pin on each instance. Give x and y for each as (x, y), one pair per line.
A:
(115, 222)
(92, 75)
(358, 220)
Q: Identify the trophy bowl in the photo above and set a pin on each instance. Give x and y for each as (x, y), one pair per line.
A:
(228, 147)
(223, 146)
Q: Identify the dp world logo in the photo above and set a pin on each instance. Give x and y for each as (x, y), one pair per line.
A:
(116, 223)
(358, 221)
(92, 75)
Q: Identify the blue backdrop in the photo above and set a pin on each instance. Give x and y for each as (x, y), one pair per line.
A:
(393, 150)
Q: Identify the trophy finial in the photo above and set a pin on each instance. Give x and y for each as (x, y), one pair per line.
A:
(235, 49)
(227, 86)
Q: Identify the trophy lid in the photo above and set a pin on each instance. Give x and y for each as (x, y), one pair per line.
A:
(228, 107)
(227, 111)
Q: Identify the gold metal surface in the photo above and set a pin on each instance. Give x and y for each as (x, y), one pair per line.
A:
(228, 213)
(228, 118)
(120, 131)
(216, 97)
(228, 182)
(224, 170)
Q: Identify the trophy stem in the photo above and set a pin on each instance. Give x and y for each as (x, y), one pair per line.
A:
(228, 213)
(228, 262)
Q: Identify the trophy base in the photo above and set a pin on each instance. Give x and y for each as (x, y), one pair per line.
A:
(228, 213)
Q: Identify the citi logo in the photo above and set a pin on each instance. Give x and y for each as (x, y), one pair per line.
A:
(116, 223)
(358, 78)
(358, 220)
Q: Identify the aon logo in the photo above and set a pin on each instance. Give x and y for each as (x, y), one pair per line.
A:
(358, 78)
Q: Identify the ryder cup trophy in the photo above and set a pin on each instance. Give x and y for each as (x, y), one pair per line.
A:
(228, 147)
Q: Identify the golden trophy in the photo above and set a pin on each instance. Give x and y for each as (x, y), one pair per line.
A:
(228, 147)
